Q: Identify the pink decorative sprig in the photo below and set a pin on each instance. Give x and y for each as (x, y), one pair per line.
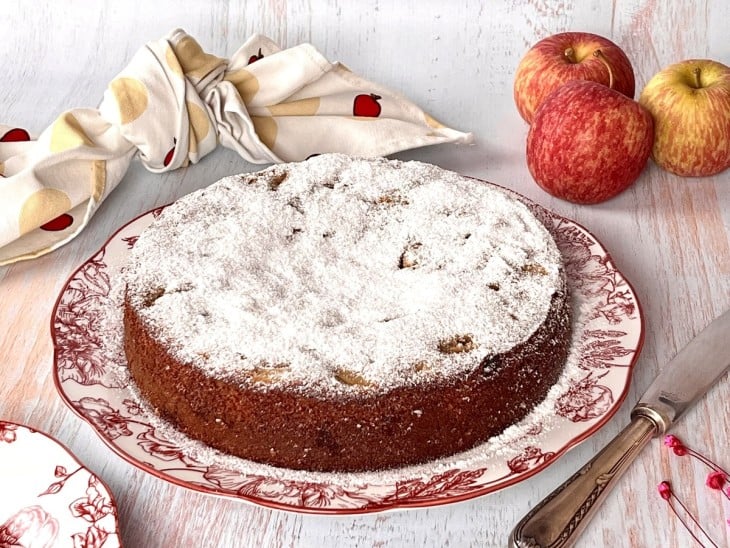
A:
(666, 492)
(717, 479)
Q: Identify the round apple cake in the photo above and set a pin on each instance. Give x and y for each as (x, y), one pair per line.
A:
(345, 314)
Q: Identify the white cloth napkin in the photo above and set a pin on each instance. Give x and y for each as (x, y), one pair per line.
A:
(172, 105)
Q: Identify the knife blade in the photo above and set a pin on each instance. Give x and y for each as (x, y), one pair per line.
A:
(558, 520)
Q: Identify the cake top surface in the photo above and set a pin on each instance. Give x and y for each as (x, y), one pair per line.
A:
(340, 274)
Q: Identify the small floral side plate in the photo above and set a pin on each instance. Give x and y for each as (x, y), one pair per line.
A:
(610, 341)
(47, 498)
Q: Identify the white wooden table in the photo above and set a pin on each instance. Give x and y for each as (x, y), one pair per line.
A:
(668, 235)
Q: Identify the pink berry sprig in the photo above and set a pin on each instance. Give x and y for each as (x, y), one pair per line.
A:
(717, 479)
(666, 492)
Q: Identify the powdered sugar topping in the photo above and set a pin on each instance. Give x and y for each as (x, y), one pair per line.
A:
(342, 274)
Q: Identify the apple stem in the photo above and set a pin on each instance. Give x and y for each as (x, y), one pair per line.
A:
(696, 71)
(598, 53)
(570, 54)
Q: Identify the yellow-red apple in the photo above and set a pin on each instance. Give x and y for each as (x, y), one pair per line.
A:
(690, 103)
(567, 56)
(587, 142)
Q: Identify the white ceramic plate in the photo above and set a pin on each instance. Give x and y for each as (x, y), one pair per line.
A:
(608, 345)
(47, 498)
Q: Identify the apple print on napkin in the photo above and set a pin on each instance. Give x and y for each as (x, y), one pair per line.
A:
(171, 106)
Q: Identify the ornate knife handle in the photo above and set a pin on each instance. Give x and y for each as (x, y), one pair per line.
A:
(560, 518)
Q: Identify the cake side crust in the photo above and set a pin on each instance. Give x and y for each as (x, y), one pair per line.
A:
(356, 432)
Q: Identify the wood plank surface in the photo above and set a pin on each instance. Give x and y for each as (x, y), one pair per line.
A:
(668, 235)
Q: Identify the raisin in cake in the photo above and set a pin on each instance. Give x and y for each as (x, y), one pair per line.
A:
(345, 314)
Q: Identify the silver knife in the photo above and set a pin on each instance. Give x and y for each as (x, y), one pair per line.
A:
(559, 519)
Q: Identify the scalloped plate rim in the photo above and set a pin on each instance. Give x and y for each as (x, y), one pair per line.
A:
(56, 442)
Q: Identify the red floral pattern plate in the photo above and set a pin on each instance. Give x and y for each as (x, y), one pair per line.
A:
(48, 498)
(604, 352)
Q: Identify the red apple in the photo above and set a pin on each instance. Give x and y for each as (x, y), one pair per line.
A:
(168, 157)
(588, 142)
(59, 223)
(366, 105)
(256, 57)
(567, 56)
(15, 135)
(690, 103)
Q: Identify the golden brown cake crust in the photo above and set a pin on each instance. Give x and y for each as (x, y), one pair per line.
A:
(345, 314)
(409, 425)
